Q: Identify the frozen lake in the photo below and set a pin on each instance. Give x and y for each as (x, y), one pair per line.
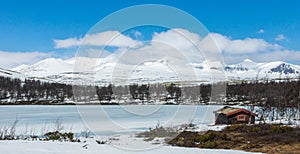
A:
(104, 120)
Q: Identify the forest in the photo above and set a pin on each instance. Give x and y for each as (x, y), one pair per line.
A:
(250, 92)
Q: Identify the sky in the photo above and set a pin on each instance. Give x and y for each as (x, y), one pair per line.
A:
(31, 30)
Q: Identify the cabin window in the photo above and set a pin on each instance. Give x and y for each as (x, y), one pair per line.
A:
(241, 118)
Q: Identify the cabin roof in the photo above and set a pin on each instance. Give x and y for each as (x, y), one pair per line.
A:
(231, 111)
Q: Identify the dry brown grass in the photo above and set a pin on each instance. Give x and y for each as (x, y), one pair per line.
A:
(273, 139)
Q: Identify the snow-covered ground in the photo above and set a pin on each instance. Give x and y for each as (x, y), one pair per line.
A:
(91, 147)
(114, 144)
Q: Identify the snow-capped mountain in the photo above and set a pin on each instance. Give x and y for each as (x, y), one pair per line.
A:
(246, 65)
(252, 70)
(106, 70)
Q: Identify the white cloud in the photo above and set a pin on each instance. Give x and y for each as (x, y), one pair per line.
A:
(178, 40)
(279, 55)
(233, 50)
(260, 31)
(107, 38)
(247, 45)
(280, 37)
(177, 37)
(241, 46)
(67, 43)
(175, 45)
(13, 59)
(180, 43)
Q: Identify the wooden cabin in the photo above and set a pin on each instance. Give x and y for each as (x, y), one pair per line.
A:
(230, 115)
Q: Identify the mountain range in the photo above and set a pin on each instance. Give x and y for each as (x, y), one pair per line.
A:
(104, 71)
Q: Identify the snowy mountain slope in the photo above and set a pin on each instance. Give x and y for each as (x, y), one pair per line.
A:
(46, 68)
(279, 69)
(11, 74)
(108, 70)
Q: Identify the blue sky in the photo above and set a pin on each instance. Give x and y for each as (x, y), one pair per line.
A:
(32, 25)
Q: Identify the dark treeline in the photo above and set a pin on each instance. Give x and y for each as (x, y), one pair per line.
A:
(16, 91)
(13, 90)
(268, 94)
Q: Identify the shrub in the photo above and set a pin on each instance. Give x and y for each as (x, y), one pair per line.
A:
(211, 136)
(157, 132)
(57, 136)
(236, 127)
(280, 128)
(208, 144)
(52, 136)
(68, 136)
(255, 129)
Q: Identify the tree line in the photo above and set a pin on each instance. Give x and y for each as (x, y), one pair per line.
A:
(268, 93)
